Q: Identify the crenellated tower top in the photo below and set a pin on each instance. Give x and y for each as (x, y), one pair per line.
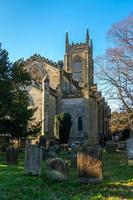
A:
(78, 60)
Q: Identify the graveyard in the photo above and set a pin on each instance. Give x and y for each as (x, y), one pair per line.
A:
(66, 100)
(117, 181)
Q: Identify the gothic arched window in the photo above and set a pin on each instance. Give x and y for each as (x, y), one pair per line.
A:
(77, 68)
(80, 124)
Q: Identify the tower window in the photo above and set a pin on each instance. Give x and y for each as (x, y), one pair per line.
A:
(77, 68)
(79, 123)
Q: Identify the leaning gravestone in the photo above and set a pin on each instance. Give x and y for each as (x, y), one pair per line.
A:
(89, 165)
(129, 143)
(12, 155)
(33, 157)
(57, 169)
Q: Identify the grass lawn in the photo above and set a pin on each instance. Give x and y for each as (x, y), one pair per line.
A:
(117, 183)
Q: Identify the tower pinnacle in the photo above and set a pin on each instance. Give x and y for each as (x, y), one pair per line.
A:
(67, 38)
(91, 46)
(67, 41)
(87, 37)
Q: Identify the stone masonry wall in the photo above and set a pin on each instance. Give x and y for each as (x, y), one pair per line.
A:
(39, 70)
(93, 135)
(36, 96)
(75, 107)
(52, 113)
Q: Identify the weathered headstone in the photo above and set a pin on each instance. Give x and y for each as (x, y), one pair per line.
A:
(44, 154)
(57, 169)
(121, 147)
(73, 158)
(129, 143)
(12, 155)
(4, 142)
(111, 146)
(43, 143)
(52, 151)
(89, 165)
(33, 157)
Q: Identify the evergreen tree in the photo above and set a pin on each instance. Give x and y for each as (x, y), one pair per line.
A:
(15, 114)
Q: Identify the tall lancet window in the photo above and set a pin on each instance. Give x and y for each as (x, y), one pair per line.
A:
(77, 68)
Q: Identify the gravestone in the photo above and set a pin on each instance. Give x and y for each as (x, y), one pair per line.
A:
(73, 159)
(121, 147)
(89, 165)
(129, 143)
(111, 146)
(33, 157)
(57, 169)
(43, 143)
(4, 142)
(12, 155)
(52, 151)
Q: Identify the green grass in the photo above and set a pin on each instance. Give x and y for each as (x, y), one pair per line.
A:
(117, 183)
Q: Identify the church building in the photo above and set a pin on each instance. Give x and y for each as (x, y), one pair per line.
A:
(69, 87)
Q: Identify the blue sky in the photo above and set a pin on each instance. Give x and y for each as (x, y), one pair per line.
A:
(39, 26)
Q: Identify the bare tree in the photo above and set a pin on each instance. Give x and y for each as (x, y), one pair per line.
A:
(115, 68)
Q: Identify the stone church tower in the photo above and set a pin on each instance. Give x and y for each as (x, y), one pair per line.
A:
(69, 89)
(78, 60)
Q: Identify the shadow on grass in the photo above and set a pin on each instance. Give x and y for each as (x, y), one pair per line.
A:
(116, 190)
(117, 183)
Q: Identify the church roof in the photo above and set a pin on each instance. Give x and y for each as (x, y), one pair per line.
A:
(39, 87)
(52, 91)
(43, 59)
(37, 57)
